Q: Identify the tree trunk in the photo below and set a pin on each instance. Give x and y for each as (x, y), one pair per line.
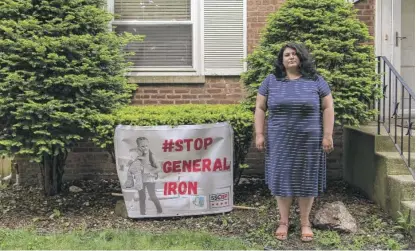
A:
(52, 172)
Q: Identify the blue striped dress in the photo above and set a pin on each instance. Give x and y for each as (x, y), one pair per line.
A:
(295, 161)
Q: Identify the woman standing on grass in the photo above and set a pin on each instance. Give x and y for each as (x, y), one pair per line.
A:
(299, 134)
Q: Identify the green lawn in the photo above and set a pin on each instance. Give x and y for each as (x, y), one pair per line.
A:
(117, 239)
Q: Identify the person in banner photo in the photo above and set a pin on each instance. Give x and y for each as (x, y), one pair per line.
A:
(299, 134)
(142, 173)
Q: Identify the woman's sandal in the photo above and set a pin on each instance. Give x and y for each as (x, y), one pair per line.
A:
(306, 237)
(282, 235)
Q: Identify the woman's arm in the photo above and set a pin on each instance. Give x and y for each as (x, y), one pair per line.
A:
(259, 117)
(328, 122)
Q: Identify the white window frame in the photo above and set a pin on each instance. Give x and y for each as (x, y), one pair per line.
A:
(197, 44)
(198, 68)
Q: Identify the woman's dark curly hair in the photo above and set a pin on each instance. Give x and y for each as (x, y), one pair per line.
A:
(306, 67)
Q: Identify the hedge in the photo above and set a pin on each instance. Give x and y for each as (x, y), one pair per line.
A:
(58, 63)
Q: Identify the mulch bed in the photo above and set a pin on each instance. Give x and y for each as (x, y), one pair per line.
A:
(93, 209)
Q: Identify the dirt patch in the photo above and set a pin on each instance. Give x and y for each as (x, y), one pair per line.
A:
(93, 209)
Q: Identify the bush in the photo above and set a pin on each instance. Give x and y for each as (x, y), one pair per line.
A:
(239, 118)
(59, 65)
(340, 45)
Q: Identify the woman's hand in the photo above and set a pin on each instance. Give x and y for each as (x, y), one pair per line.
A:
(327, 144)
(260, 141)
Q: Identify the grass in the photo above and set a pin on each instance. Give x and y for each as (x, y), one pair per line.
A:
(116, 240)
(328, 239)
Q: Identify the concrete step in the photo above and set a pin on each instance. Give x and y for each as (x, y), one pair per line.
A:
(393, 163)
(386, 144)
(406, 112)
(372, 129)
(390, 125)
(400, 188)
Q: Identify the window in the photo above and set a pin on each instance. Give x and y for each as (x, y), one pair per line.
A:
(196, 37)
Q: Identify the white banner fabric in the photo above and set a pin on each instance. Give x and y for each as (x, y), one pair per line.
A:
(175, 171)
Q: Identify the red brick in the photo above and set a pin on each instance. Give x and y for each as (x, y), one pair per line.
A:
(215, 80)
(226, 101)
(257, 25)
(205, 96)
(165, 102)
(158, 96)
(173, 96)
(150, 91)
(189, 96)
(141, 96)
(216, 85)
(150, 102)
(262, 19)
(214, 90)
(252, 19)
(266, 8)
(165, 91)
(364, 18)
(181, 90)
(234, 96)
(219, 96)
(236, 90)
(233, 85)
(182, 102)
(197, 101)
(197, 91)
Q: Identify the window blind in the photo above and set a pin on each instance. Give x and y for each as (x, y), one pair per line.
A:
(164, 45)
(224, 37)
(169, 10)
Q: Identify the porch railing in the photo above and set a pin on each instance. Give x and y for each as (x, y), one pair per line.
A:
(396, 109)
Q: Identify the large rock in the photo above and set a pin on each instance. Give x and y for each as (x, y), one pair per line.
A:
(335, 216)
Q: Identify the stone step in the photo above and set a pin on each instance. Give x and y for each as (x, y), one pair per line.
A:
(400, 188)
(397, 125)
(386, 144)
(372, 129)
(394, 164)
(406, 112)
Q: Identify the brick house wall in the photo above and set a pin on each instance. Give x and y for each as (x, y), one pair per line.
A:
(89, 162)
(366, 11)
(215, 90)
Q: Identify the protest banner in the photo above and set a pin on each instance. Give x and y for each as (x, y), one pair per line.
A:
(175, 171)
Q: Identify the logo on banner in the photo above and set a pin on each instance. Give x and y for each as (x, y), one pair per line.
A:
(198, 202)
(219, 200)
